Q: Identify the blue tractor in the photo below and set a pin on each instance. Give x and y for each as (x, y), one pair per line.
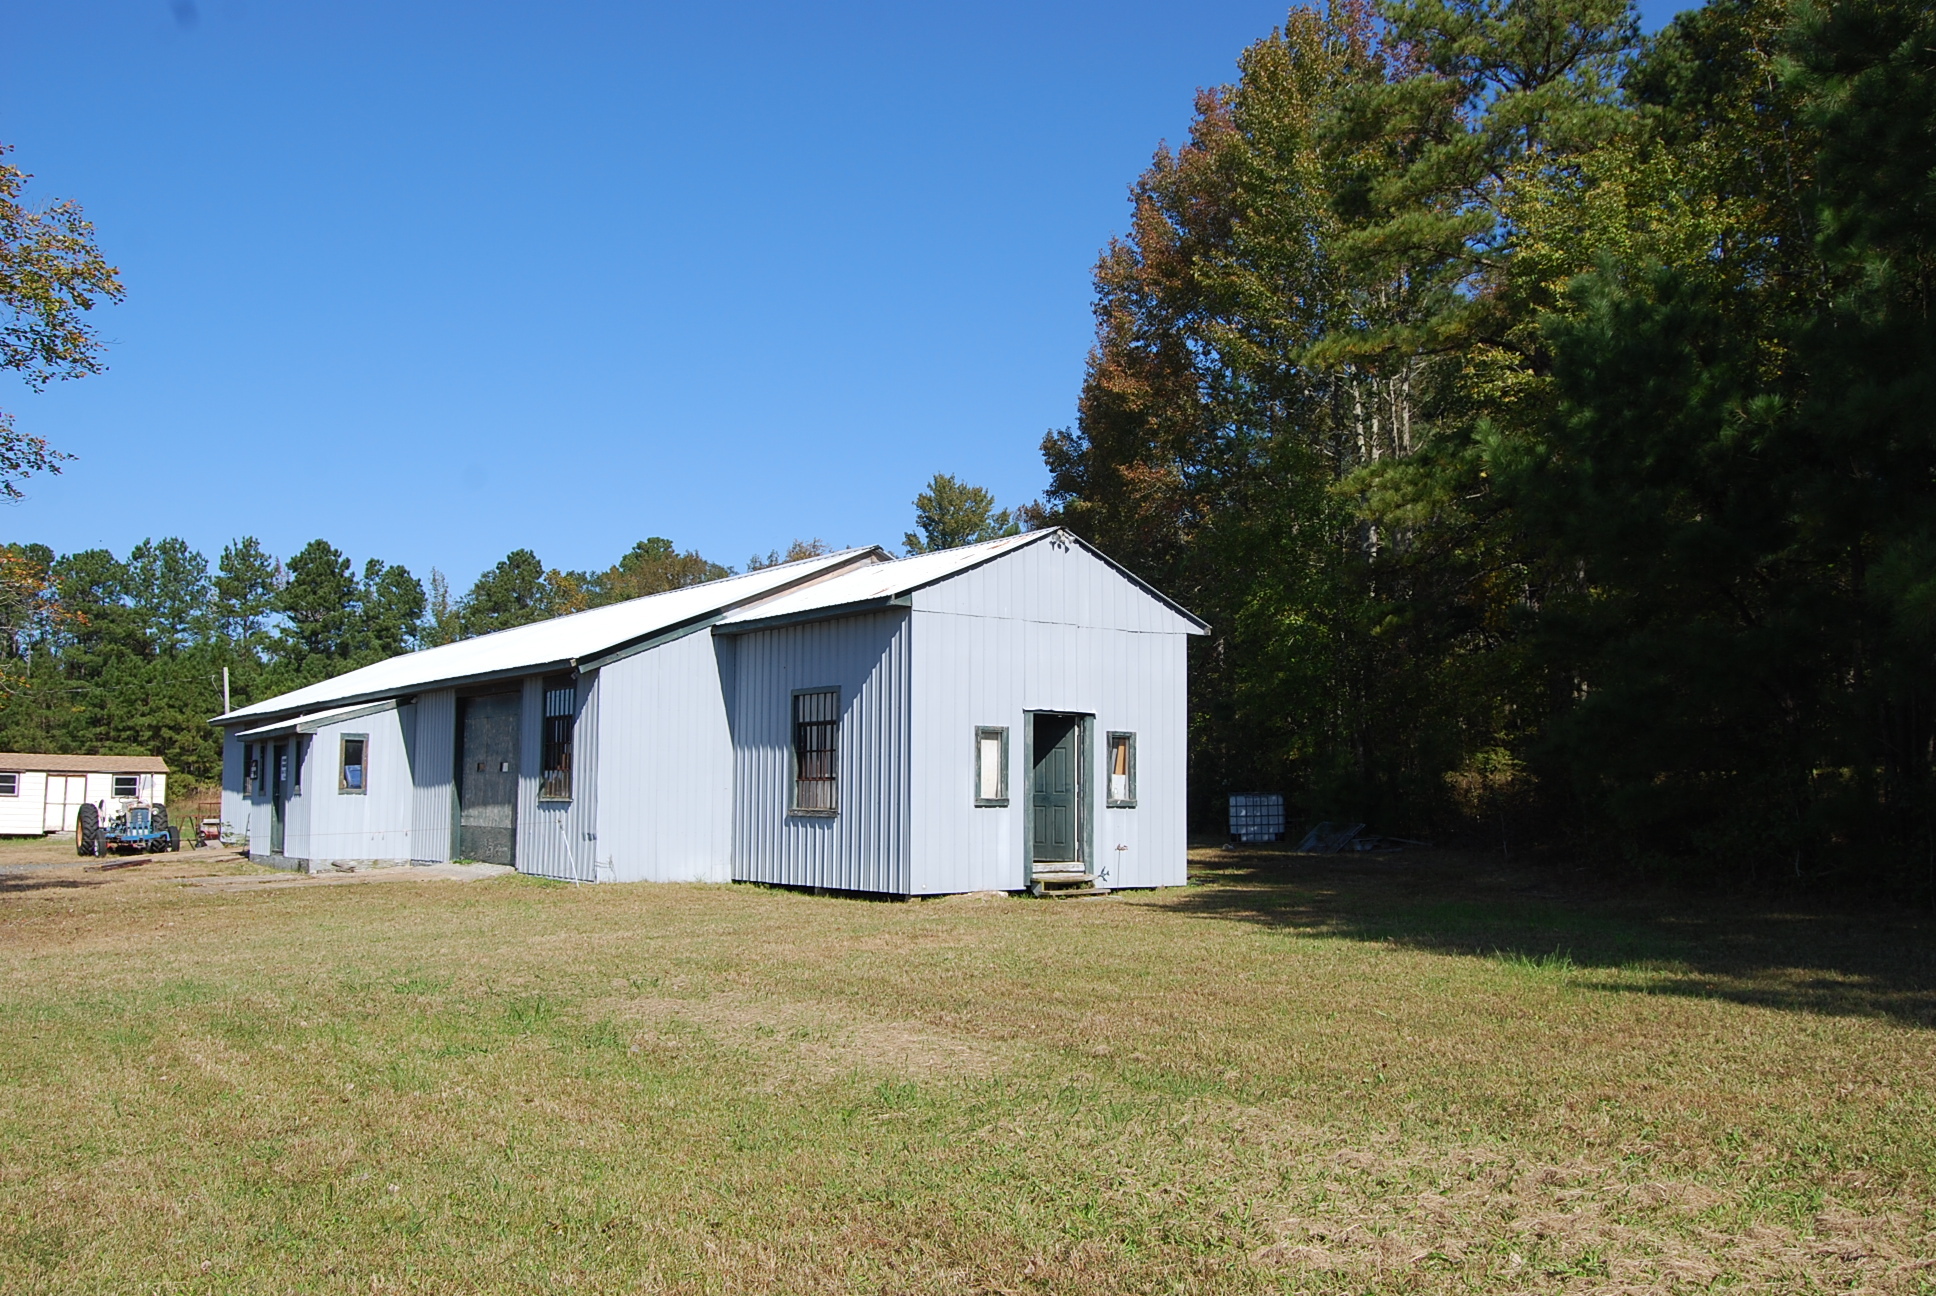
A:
(136, 827)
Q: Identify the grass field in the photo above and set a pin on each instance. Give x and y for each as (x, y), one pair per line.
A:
(1416, 1073)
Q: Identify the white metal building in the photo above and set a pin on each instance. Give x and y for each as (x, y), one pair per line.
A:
(983, 718)
(43, 793)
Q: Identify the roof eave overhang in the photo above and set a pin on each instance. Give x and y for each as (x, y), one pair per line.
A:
(859, 607)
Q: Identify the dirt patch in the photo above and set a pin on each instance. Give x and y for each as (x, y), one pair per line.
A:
(810, 1041)
(1576, 1227)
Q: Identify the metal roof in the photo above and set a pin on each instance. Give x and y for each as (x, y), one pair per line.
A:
(52, 764)
(882, 583)
(311, 721)
(560, 641)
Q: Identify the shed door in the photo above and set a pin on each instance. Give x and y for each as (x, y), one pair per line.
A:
(1054, 793)
(278, 796)
(65, 793)
(487, 778)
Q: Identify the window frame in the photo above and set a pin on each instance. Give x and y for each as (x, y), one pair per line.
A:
(982, 734)
(555, 784)
(1109, 770)
(14, 791)
(343, 787)
(251, 770)
(832, 781)
(114, 787)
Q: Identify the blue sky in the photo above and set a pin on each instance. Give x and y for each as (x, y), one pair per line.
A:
(435, 281)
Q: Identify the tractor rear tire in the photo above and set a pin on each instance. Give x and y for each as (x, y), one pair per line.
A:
(158, 818)
(87, 831)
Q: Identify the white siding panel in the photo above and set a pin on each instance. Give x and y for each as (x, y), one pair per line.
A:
(665, 767)
(972, 670)
(24, 813)
(558, 838)
(373, 826)
(1052, 581)
(864, 847)
(433, 755)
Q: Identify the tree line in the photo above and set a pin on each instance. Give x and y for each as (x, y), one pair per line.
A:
(1542, 416)
(100, 654)
(119, 655)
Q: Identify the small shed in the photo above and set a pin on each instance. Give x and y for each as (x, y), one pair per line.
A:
(996, 717)
(41, 792)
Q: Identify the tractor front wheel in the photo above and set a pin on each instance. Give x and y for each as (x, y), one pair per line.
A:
(87, 831)
(174, 838)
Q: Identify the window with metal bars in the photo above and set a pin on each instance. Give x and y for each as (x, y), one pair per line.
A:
(560, 710)
(816, 751)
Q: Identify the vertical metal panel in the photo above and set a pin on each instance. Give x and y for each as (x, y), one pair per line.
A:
(665, 763)
(1052, 630)
(865, 846)
(558, 839)
(235, 808)
(296, 827)
(432, 750)
(1053, 580)
(374, 825)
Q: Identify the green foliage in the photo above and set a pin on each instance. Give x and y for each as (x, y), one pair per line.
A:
(101, 655)
(51, 275)
(797, 551)
(950, 514)
(1540, 417)
(652, 566)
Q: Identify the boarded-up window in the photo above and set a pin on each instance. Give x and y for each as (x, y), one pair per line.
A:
(9, 785)
(560, 709)
(354, 775)
(991, 766)
(816, 751)
(1122, 769)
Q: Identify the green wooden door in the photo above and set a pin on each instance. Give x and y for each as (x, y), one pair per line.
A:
(1054, 790)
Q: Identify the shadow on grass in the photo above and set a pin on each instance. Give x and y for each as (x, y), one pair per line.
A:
(20, 883)
(1862, 964)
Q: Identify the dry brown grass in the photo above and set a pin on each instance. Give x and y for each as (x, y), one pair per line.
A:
(1399, 1075)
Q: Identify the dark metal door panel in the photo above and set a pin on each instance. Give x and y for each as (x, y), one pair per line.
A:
(487, 778)
(1054, 791)
(278, 795)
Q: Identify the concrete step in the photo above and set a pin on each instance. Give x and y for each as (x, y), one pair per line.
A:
(1064, 884)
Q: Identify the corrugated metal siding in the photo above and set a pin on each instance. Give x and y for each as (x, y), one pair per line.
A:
(1009, 638)
(432, 754)
(865, 846)
(665, 763)
(235, 808)
(295, 811)
(372, 825)
(1053, 581)
(558, 839)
